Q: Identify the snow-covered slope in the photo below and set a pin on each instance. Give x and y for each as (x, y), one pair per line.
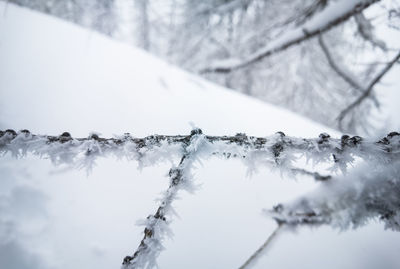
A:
(64, 75)
(55, 77)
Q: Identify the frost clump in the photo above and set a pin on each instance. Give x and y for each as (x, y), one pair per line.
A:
(369, 191)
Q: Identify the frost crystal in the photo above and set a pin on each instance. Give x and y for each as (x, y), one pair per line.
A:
(349, 199)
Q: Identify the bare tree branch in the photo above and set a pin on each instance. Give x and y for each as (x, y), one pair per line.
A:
(253, 258)
(331, 16)
(317, 176)
(368, 91)
(338, 70)
(311, 10)
(365, 29)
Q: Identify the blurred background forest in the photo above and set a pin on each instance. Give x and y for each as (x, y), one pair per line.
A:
(333, 78)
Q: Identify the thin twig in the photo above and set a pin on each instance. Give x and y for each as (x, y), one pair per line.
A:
(368, 91)
(317, 176)
(341, 72)
(365, 29)
(260, 250)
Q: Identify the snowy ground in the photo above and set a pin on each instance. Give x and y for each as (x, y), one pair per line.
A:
(55, 77)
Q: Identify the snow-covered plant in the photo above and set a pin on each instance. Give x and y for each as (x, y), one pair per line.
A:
(345, 199)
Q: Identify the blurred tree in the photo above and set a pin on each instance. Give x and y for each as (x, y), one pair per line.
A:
(142, 25)
(269, 49)
(95, 14)
(102, 16)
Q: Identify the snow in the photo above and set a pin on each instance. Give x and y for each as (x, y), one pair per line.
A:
(99, 74)
(57, 77)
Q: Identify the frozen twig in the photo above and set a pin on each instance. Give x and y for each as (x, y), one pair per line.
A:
(317, 176)
(369, 191)
(156, 226)
(275, 149)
